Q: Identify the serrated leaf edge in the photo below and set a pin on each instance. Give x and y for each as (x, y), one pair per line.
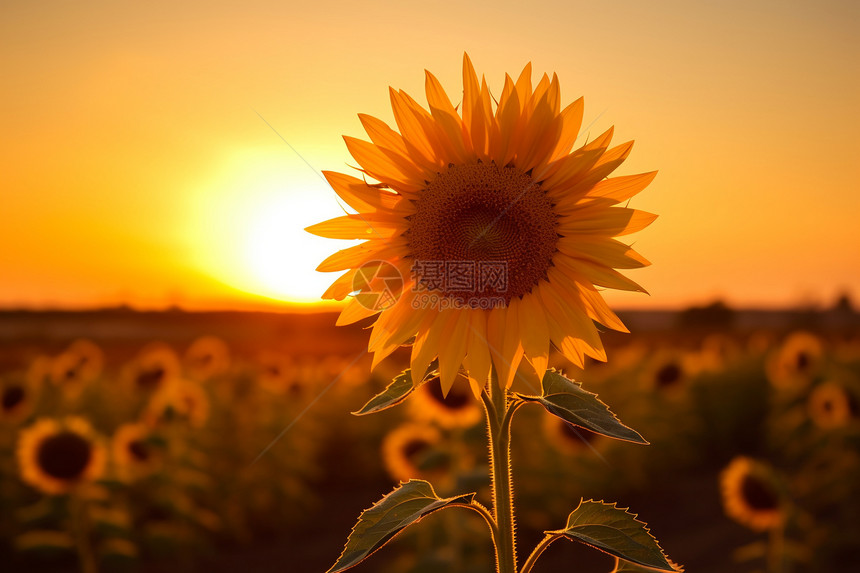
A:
(463, 499)
(614, 505)
(431, 374)
(540, 400)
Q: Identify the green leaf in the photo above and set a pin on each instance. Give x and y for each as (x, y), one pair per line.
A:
(622, 566)
(617, 532)
(407, 504)
(566, 399)
(396, 392)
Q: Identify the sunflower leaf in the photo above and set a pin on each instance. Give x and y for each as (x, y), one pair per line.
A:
(407, 504)
(615, 531)
(396, 392)
(566, 399)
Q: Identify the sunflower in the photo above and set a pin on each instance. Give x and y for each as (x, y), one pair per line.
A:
(412, 451)
(795, 362)
(80, 364)
(278, 374)
(155, 367)
(500, 232)
(669, 372)
(60, 456)
(718, 351)
(18, 395)
(207, 356)
(831, 405)
(134, 452)
(752, 494)
(456, 410)
(182, 400)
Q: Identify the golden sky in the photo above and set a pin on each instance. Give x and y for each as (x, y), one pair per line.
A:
(137, 166)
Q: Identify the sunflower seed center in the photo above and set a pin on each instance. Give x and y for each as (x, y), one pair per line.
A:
(64, 456)
(474, 222)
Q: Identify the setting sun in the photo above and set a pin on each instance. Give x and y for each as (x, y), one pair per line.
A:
(249, 228)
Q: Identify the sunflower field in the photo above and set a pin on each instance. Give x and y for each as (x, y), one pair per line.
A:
(174, 442)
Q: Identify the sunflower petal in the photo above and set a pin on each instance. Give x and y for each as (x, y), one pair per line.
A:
(366, 198)
(353, 312)
(597, 274)
(606, 221)
(571, 121)
(478, 352)
(426, 344)
(380, 166)
(602, 250)
(447, 118)
(622, 188)
(451, 353)
(356, 227)
(535, 333)
(357, 255)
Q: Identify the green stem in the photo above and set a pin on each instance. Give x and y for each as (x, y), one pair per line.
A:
(776, 550)
(81, 525)
(499, 415)
(539, 548)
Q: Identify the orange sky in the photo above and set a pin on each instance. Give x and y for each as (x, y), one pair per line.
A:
(134, 167)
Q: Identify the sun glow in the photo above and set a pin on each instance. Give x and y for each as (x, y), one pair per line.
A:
(249, 233)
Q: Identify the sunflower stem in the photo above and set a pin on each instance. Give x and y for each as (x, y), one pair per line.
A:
(776, 550)
(499, 415)
(81, 533)
(538, 550)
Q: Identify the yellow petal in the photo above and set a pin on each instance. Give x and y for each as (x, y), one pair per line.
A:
(380, 166)
(524, 85)
(353, 257)
(570, 169)
(597, 274)
(393, 327)
(602, 250)
(399, 151)
(341, 287)
(447, 118)
(535, 333)
(426, 344)
(622, 188)
(478, 352)
(367, 198)
(571, 121)
(607, 221)
(564, 341)
(360, 226)
(473, 110)
(453, 348)
(574, 285)
(571, 316)
(506, 348)
(353, 312)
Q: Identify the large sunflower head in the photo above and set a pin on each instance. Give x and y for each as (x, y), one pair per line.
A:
(487, 231)
(60, 456)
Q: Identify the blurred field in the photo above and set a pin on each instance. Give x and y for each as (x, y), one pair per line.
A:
(258, 465)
